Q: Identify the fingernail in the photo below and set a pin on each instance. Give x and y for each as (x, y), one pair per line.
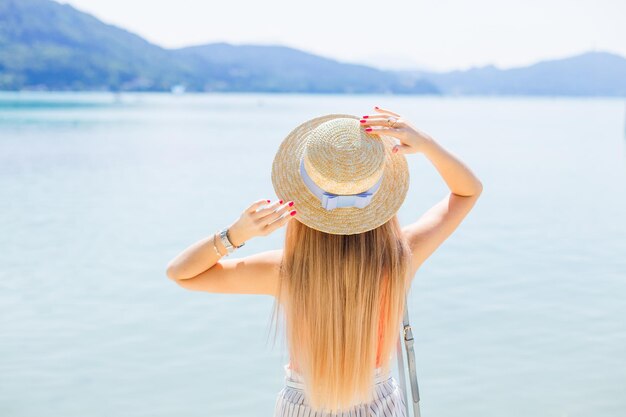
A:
(365, 117)
(280, 202)
(376, 107)
(395, 150)
(368, 129)
(290, 203)
(268, 201)
(293, 213)
(362, 121)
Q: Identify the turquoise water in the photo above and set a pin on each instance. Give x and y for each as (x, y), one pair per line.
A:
(521, 312)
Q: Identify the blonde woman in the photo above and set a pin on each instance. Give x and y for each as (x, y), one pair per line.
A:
(340, 281)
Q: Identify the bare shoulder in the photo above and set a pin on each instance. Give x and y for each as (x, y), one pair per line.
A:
(273, 258)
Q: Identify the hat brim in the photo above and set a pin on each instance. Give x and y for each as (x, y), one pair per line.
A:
(289, 186)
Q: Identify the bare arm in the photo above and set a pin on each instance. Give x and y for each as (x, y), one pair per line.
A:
(434, 226)
(196, 258)
(460, 179)
(258, 219)
(253, 274)
(438, 222)
(199, 267)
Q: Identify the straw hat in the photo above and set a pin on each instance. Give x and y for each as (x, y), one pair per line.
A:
(342, 179)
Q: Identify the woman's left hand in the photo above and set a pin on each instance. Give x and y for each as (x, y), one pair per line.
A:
(260, 219)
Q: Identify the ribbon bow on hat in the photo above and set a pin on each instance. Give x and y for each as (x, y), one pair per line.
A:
(331, 201)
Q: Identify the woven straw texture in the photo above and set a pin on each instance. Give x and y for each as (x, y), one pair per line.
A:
(341, 158)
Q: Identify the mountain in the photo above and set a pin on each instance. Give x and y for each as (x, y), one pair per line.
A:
(48, 45)
(596, 73)
(284, 69)
(51, 46)
(44, 43)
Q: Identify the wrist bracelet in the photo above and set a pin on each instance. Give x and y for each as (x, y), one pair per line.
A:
(230, 248)
(215, 246)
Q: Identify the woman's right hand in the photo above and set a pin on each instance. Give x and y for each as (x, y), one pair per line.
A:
(412, 139)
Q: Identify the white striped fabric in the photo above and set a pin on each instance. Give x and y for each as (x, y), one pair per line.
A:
(388, 399)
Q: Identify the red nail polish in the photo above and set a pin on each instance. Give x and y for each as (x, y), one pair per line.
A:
(280, 202)
(268, 201)
(368, 129)
(376, 107)
(293, 213)
(365, 117)
(290, 203)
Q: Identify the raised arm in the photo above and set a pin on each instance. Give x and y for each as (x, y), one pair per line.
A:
(200, 268)
(438, 222)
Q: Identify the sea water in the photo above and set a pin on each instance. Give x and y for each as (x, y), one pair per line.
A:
(520, 312)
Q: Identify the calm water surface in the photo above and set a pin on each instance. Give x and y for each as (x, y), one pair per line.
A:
(521, 312)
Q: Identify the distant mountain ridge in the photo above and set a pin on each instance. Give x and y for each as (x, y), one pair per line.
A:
(51, 46)
(48, 45)
(597, 73)
(283, 69)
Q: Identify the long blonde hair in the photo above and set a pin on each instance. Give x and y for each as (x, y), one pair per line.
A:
(339, 292)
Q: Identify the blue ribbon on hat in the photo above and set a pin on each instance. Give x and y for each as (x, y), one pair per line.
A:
(331, 201)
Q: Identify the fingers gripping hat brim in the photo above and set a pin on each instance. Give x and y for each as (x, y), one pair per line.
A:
(289, 186)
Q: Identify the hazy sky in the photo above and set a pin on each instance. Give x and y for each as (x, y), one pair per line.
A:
(435, 34)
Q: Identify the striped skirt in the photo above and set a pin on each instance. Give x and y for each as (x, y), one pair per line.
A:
(388, 399)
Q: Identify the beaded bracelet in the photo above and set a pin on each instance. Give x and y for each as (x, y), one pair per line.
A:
(215, 246)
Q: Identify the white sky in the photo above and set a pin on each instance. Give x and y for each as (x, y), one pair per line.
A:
(434, 34)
